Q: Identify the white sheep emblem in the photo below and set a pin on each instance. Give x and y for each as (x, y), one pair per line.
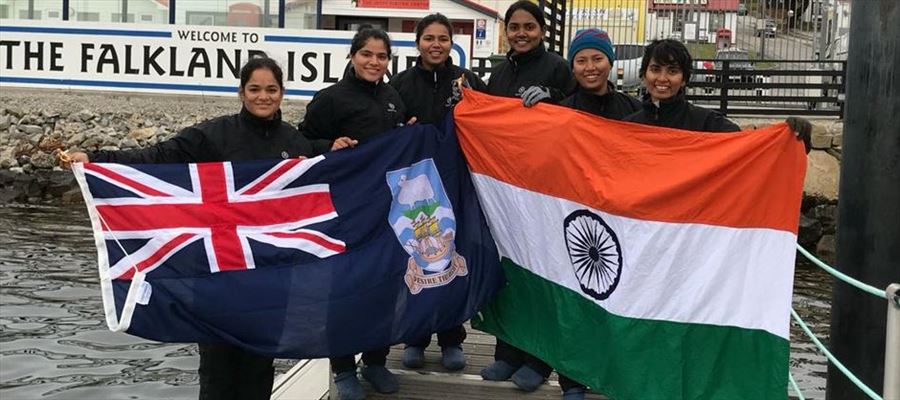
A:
(414, 190)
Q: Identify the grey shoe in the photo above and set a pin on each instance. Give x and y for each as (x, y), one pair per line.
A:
(498, 371)
(382, 380)
(527, 379)
(348, 386)
(413, 357)
(452, 358)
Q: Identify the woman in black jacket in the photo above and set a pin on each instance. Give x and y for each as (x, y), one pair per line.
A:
(533, 74)
(357, 108)
(665, 71)
(592, 56)
(530, 72)
(257, 132)
(361, 105)
(427, 89)
(429, 92)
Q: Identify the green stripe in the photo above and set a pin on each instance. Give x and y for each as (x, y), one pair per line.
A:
(630, 358)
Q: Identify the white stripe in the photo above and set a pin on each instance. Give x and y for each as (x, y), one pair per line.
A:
(285, 179)
(142, 178)
(690, 273)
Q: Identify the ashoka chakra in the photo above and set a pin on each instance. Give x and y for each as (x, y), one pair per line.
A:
(595, 253)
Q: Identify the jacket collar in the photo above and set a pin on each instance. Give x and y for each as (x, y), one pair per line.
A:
(516, 59)
(666, 108)
(258, 123)
(350, 76)
(610, 91)
(439, 71)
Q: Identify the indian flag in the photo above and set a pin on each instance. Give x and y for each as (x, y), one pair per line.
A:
(644, 262)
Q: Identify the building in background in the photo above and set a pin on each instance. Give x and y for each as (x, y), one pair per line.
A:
(624, 20)
(467, 17)
(691, 20)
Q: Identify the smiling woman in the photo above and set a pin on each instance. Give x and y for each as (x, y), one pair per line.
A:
(257, 132)
(530, 72)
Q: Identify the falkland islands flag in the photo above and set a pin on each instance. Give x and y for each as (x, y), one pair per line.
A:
(647, 263)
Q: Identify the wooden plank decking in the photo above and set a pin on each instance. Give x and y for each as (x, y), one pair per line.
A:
(434, 382)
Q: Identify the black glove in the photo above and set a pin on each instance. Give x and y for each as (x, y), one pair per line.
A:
(534, 94)
(802, 129)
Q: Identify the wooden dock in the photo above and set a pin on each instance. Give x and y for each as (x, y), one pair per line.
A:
(310, 379)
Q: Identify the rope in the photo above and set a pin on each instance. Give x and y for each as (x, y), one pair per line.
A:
(795, 387)
(862, 386)
(838, 274)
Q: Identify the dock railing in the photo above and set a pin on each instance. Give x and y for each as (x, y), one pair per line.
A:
(892, 335)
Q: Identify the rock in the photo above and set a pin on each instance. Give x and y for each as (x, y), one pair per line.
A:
(28, 168)
(142, 134)
(18, 170)
(826, 249)
(810, 231)
(837, 141)
(128, 143)
(43, 160)
(83, 116)
(109, 148)
(59, 183)
(72, 196)
(31, 129)
(4, 122)
(822, 175)
(8, 158)
(91, 143)
(821, 138)
(75, 140)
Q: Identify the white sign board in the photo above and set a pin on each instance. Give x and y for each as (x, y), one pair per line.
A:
(180, 59)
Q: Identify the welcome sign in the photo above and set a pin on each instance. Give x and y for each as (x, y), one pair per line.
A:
(180, 59)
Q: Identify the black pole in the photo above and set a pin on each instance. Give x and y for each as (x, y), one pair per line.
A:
(124, 11)
(171, 12)
(65, 10)
(869, 197)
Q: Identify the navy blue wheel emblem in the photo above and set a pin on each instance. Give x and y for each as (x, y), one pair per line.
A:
(595, 253)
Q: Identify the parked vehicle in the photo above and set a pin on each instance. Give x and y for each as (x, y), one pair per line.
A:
(626, 70)
(765, 28)
(738, 60)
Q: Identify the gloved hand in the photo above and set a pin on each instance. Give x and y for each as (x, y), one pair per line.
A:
(802, 130)
(534, 94)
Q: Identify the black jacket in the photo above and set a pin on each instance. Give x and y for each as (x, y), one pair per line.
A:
(235, 137)
(354, 108)
(537, 67)
(613, 105)
(428, 94)
(679, 113)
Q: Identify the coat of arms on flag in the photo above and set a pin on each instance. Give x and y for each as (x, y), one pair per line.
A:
(422, 218)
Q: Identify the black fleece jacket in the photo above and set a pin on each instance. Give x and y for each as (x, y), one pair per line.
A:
(679, 113)
(428, 95)
(353, 107)
(537, 67)
(237, 137)
(613, 104)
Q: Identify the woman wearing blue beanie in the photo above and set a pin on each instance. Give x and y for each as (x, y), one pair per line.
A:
(591, 56)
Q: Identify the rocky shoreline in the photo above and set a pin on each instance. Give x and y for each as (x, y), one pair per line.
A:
(35, 123)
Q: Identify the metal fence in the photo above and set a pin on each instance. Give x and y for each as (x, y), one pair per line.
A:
(751, 56)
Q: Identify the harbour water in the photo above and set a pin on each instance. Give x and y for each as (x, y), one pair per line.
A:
(54, 343)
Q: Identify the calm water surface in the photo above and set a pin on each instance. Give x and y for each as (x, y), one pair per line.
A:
(54, 343)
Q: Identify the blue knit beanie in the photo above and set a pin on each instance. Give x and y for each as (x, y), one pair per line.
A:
(591, 38)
